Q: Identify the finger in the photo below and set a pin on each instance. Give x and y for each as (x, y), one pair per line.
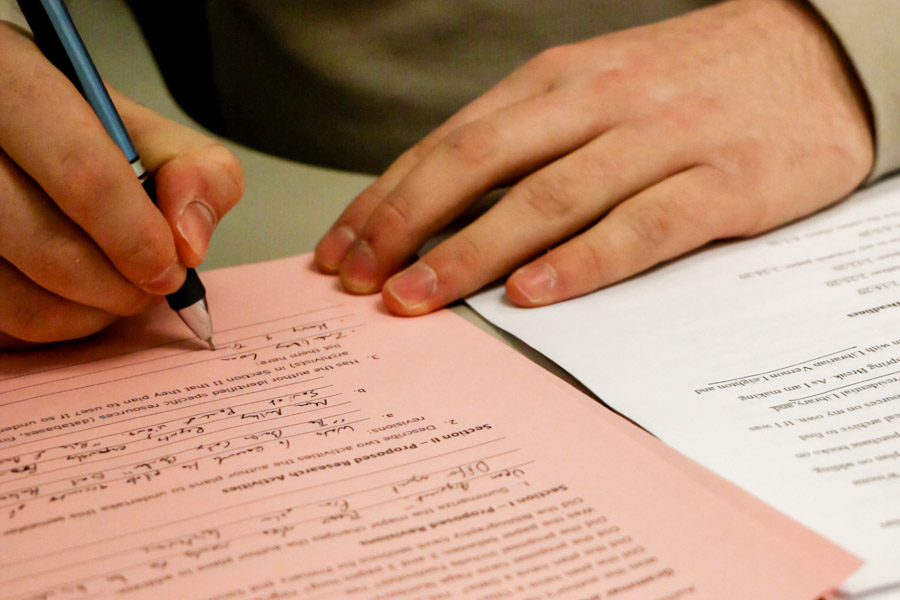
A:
(533, 79)
(468, 163)
(44, 245)
(68, 153)
(198, 180)
(675, 216)
(9, 342)
(539, 212)
(529, 81)
(32, 314)
(334, 245)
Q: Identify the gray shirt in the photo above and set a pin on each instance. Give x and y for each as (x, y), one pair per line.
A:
(352, 83)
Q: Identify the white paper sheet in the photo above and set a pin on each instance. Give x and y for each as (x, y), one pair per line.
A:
(774, 361)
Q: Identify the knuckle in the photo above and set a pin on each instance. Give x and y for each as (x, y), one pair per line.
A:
(611, 78)
(590, 260)
(41, 322)
(372, 196)
(857, 155)
(553, 59)
(477, 143)
(549, 196)
(144, 249)
(417, 152)
(741, 166)
(231, 167)
(465, 255)
(83, 183)
(680, 111)
(396, 212)
(746, 219)
(58, 259)
(27, 323)
(133, 304)
(748, 158)
(144, 256)
(651, 225)
(63, 261)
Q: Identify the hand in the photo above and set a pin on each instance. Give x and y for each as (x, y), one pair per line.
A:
(80, 241)
(625, 150)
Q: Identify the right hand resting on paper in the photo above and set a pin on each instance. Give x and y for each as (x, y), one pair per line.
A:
(80, 241)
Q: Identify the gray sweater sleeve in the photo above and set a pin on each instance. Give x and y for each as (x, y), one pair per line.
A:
(869, 31)
(9, 11)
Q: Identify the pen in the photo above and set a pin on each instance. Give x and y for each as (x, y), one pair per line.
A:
(56, 36)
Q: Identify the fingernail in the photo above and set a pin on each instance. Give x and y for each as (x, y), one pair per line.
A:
(359, 271)
(333, 247)
(412, 287)
(196, 223)
(535, 281)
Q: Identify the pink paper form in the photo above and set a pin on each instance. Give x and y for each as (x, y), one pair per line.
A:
(329, 450)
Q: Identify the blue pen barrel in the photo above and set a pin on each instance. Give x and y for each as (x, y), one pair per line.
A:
(59, 40)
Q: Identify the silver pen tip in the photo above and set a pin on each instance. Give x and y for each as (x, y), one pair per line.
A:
(196, 317)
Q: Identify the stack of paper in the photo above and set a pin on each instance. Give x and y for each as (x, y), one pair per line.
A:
(327, 449)
(773, 361)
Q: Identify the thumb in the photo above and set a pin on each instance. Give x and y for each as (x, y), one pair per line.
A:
(194, 191)
(198, 180)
